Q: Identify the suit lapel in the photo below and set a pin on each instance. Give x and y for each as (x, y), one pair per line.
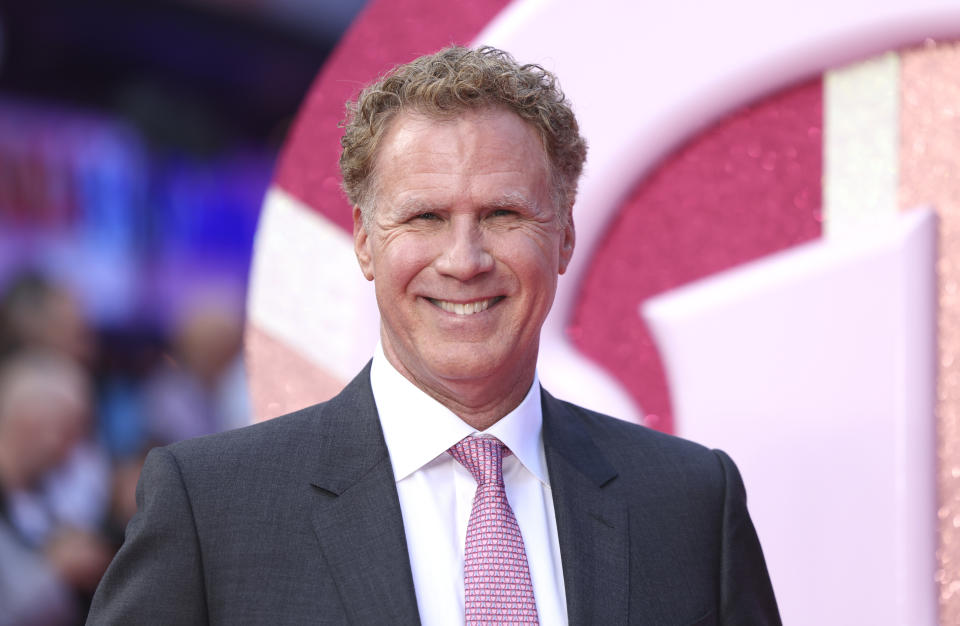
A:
(592, 526)
(357, 516)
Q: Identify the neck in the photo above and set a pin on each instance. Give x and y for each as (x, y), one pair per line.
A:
(475, 406)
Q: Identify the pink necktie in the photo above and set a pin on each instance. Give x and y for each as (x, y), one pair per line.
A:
(496, 577)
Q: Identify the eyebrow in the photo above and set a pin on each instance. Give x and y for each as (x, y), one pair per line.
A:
(414, 205)
(510, 199)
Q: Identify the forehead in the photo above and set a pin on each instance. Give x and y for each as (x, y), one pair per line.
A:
(477, 151)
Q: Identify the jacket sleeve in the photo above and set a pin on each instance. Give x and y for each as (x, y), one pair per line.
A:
(157, 576)
(746, 595)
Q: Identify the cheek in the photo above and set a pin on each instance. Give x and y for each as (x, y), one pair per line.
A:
(532, 258)
(400, 263)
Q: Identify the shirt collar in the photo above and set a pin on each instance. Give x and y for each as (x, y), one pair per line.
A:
(418, 429)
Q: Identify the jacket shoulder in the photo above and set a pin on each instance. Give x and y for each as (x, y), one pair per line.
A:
(257, 436)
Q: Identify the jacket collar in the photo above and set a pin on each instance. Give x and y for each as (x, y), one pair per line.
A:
(357, 517)
(592, 523)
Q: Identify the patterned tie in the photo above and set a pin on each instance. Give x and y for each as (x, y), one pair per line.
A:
(496, 577)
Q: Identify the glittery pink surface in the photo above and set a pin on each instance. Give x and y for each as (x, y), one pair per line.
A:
(929, 158)
(281, 379)
(386, 33)
(747, 187)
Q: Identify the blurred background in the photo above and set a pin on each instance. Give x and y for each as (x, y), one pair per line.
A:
(136, 143)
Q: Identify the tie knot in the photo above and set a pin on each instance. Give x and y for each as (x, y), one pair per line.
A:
(483, 457)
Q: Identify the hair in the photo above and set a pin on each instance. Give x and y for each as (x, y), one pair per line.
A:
(453, 80)
(24, 297)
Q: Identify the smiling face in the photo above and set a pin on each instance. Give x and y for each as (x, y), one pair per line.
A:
(464, 244)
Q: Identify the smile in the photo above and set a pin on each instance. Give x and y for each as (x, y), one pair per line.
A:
(469, 308)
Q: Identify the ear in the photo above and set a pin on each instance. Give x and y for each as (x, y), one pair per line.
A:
(361, 244)
(568, 239)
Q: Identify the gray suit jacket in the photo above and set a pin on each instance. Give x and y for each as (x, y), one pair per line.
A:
(297, 521)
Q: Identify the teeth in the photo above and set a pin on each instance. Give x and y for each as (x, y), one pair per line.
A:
(464, 309)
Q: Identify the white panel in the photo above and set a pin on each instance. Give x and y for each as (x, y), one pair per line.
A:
(861, 145)
(306, 288)
(814, 368)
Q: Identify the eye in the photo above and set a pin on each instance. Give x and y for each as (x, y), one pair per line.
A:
(427, 215)
(502, 213)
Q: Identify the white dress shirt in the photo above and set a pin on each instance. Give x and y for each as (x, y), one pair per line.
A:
(436, 493)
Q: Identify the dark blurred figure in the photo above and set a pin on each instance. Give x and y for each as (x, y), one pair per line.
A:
(45, 412)
(35, 311)
(38, 313)
(55, 478)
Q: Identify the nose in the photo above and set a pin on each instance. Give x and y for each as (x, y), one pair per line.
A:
(465, 254)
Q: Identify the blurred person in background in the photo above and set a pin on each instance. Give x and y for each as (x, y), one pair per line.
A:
(45, 409)
(201, 388)
(36, 311)
(39, 313)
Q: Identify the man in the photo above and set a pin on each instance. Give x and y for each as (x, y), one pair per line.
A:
(46, 565)
(443, 484)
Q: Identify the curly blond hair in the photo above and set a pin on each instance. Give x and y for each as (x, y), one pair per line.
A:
(452, 80)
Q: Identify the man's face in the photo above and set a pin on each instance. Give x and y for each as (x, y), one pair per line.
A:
(465, 246)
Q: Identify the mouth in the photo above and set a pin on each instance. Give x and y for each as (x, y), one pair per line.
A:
(465, 308)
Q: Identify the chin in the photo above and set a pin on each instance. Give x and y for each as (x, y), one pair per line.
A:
(467, 363)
